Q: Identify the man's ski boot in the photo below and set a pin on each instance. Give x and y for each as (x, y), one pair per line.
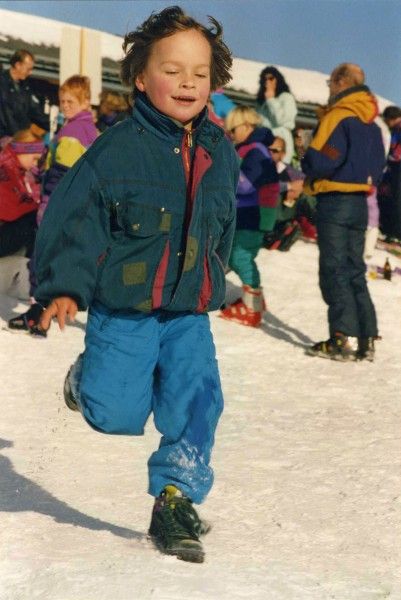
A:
(29, 321)
(336, 347)
(175, 527)
(366, 349)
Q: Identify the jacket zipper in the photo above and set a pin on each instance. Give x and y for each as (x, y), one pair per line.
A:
(187, 155)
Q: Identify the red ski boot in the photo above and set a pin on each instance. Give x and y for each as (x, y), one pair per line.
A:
(247, 310)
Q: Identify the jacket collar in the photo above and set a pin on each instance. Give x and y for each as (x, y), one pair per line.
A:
(84, 115)
(205, 133)
(348, 91)
(259, 134)
(357, 100)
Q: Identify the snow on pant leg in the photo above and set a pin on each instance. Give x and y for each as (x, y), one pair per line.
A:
(246, 246)
(187, 405)
(334, 278)
(116, 386)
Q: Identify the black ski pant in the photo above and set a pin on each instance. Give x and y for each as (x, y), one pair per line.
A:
(341, 225)
(18, 234)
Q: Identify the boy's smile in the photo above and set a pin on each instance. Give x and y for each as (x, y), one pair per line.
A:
(176, 78)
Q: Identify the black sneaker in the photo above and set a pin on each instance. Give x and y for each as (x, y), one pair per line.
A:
(175, 526)
(366, 349)
(69, 397)
(290, 234)
(336, 348)
(29, 321)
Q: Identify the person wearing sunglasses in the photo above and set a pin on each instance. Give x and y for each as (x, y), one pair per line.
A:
(343, 164)
(257, 198)
(294, 210)
(277, 106)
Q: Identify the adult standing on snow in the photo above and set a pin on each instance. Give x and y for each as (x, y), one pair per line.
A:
(390, 188)
(19, 107)
(277, 106)
(344, 160)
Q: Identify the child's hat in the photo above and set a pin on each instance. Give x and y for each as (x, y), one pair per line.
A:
(28, 147)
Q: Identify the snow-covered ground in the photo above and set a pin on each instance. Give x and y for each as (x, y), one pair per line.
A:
(306, 504)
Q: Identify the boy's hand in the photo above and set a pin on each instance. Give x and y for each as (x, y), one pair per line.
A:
(61, 308)
(270, 88)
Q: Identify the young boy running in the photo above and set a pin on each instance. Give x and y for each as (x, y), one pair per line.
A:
(139, 232)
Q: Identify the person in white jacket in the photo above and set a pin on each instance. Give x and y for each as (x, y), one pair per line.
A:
(277, 106)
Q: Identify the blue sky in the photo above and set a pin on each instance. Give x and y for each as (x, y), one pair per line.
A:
(307, 34)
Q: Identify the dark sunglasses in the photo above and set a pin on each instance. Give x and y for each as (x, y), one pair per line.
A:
(276, 150)
(269, 77)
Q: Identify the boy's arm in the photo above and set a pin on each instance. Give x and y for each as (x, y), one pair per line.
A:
(224, 248)
(327, 151)
(72, 239)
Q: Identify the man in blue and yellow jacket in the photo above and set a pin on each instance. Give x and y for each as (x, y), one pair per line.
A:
(344, 160)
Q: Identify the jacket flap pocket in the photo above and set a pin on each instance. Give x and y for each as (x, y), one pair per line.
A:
(141, 220)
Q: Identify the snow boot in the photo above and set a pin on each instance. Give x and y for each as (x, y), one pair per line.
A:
(69, 397)
(29, 321)
(336, 347)
(247, 310)
(366, 349)
(289, 235)
(175, 526)
(309, 233)
(282, 237)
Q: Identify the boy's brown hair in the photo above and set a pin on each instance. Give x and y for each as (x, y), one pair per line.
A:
(79, 86)
(138, 45)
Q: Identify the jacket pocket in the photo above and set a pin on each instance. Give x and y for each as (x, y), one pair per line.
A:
(141, 220)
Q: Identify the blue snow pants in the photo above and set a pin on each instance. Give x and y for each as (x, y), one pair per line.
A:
(165, 363)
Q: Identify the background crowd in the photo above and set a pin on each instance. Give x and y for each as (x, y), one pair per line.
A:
(275, 205)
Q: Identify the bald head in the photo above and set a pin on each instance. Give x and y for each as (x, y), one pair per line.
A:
(345, 76)
(350, 73)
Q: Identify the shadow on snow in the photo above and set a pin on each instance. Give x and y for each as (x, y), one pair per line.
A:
(18, 494)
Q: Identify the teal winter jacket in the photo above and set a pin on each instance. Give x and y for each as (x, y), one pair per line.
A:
(144, 220)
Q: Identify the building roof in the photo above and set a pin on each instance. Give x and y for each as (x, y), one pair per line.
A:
(43, 36)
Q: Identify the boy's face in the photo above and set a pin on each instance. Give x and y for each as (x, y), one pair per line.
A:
(176, 78)
(70, 105)
(28, 161)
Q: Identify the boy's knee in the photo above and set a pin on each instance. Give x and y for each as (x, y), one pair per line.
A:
(116, 419)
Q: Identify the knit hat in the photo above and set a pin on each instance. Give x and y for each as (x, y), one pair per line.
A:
(28, 147)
